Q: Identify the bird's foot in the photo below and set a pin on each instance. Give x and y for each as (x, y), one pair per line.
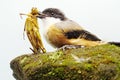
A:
(66, 47)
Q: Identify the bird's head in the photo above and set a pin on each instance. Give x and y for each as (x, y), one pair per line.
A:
(53, 13)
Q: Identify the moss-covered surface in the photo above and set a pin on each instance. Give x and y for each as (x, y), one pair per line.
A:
(93, 63)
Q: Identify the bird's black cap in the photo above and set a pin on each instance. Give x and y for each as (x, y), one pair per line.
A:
(52, 12)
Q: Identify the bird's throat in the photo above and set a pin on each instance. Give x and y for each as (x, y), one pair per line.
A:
(48, 21)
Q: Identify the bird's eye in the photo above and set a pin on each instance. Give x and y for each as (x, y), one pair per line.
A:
(52, 13)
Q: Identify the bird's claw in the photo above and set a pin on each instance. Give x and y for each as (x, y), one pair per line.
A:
(66, 47)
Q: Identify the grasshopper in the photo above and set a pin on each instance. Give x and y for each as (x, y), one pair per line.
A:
(32, 30)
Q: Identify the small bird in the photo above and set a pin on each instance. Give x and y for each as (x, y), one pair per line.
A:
(60, 31)
(32, 30)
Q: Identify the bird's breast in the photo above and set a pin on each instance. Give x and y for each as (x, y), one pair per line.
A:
(55, 36)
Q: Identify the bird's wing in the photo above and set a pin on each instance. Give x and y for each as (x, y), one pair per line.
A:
(73, 30)
(81, 34)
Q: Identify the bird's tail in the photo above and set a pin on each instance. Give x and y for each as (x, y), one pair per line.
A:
(115, 43)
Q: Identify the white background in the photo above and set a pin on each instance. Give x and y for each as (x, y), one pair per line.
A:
(101, 17)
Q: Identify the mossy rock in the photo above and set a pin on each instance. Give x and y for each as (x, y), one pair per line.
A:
(93, 63)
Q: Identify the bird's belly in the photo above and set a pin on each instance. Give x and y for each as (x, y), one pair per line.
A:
(56, 37)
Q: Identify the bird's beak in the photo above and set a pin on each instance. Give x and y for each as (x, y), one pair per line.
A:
(41, 15)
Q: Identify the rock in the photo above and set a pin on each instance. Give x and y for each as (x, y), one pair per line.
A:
(93, 63)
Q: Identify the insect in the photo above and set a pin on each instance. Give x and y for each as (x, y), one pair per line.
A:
(32, 30)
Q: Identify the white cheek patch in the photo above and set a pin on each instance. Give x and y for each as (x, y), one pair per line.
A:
(50, 21)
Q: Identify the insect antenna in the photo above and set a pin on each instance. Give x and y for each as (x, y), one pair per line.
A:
(24, 25)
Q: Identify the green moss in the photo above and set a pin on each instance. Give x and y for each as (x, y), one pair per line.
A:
(88, 67)
(55, 56)
(91, 63)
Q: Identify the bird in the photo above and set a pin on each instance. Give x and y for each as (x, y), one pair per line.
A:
(32, 30)
(60, 31)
